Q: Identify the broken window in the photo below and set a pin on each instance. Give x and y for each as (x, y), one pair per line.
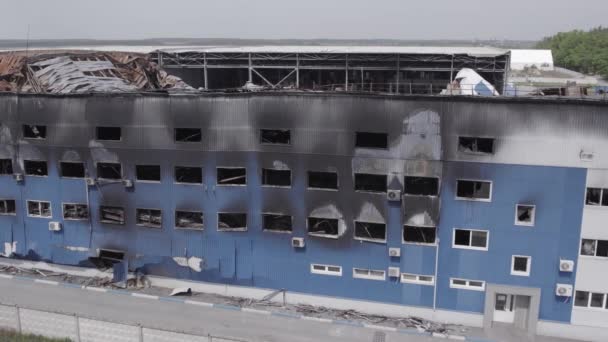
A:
(276, 222)
(73, 211)
(422, 186)
(231, 221)
(148, 217)
(189, 174)
(109, 133)
(275, 136)
(112, 255)
(111, 215)
(596, 196)
(188, 135)
(231, 176)
(473, 190)
(322, 180)
(72, 170)
(369, 182)
(471, 239)
(188, 219)
(34, 132)
(109, 171)
(276, 177)
(39, 209)
(35, 168)
(419, 234)
(476, 145)
(6, 166)
(371, 140)
(150, 173)
(370, 231)
(323, 226)
(7, 207)
(524, 215)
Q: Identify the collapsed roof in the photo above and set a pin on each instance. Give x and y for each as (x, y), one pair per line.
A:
(70, 72)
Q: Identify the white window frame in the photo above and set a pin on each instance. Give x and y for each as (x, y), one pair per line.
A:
(528, 265)
(468, 286)
(473, 199)
(533, 218)
(588, 306)
(418, 279)
(596, 206)
(75, 219)
(27, 208)
(454, 245)
(365, 273)
(594, 256)
(325, 270)
(6, 206)
(230, 167)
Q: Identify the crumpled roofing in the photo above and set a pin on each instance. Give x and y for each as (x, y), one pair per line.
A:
(77, 72)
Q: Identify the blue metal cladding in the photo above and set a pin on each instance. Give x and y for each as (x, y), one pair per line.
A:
(558, 194)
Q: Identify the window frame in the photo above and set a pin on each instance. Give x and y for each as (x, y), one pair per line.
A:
(372, 148)
(375, 192)
(417, 281)
(200, 130)
(274, 144)
(6, 206)
(238, 229)
(264, 229)
(488, 200)
(188, 211)
(160, 169)
(175, 181)
(525, 224)
(124, 215)
(97, 133)
(476, 152)
(148, 225)
(326, 271)
(369, 275)
(594, 256)
(308, 187)
(272, 185)
(590, 294)
(11, 167)
(329, 236)
(27, 208)
(405, 193)
(528, 266)
(63, 204)
(122, 175)
(417, 243)
(84, 166)
(46, 132)
(355, 237)
(217, 180)
(33, 160)
(602, 194)
(454, 245)
(468, 285)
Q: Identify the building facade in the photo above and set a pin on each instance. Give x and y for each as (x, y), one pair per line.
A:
(488, 206)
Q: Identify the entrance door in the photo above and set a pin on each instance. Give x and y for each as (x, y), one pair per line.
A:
(503, 308)
(522, 308)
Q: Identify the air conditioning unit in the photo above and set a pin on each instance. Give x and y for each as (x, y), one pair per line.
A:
(55, 226)
(563, 290)
(393, 195)
(297, 242)
(566, 265)
(90, 181)
(394, 272)
(18, 177)
(394, 252)
(127, 183)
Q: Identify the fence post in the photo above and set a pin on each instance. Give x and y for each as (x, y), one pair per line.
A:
(141, 333)
(77, 327)
(18, 319)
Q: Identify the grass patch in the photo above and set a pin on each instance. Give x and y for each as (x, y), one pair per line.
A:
(13, 336)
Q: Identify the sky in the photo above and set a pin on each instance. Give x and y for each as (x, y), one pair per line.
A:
(301, 19)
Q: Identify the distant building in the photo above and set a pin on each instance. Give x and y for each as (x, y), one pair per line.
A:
(522, 59)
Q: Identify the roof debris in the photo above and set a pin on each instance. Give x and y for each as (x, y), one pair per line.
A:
(84, 72)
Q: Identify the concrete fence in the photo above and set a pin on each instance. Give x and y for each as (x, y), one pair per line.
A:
(81, 329)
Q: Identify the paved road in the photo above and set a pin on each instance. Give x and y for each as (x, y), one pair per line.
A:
(186, 318)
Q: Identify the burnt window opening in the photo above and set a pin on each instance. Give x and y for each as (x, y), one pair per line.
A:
(111, 215)
(525, 214)
(371, 140)
(112, 255)
(323, 226)
(73, 211)
(34, 131)
(417, 234)
(108, 133)
(109, 171)
(231, 221)
(6, 166)
(276, 177)
(476, 190)
(275, 136)
(421, 186)
(72, 170)
(231, 176)
(39, 209)
(188, 135)
(7, 207)
(476, 145)
(148, 217)
(370, 231)
(277, 223)
(322, 180)
(149, 173)
(188, 219)
(188, 174)
(35, 168)
(596, 196)
(369, 182)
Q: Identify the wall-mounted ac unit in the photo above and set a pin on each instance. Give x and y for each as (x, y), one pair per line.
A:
(393, 195)
(90, 181)
(127, 183)
(54, 226)
(297, 242)
(394, 252)
(563, 290)
(394, 272)
(18, 177)
(566, 265)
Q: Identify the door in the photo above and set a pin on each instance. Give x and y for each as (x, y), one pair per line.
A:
(503, 308)
(522, 308)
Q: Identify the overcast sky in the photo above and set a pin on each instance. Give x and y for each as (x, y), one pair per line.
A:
(309, 19)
